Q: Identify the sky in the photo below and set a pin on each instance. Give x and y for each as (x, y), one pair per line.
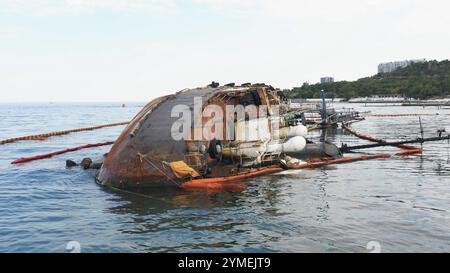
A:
(137, 50)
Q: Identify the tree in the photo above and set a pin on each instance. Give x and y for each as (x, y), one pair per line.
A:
(419, 80)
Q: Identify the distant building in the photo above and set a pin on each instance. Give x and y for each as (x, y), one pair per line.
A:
(392, 66)
(327, 80)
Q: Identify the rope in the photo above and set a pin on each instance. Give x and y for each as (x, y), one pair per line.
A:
(144, 157)
(60, 133)
(38, 157)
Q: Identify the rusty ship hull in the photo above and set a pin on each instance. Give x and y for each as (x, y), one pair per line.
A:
(141, 155)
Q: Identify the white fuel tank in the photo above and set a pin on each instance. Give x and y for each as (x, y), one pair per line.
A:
(253, 150)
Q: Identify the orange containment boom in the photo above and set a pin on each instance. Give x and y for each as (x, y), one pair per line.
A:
(213, 183)
(400, 115)
(218, 183)
(343, 160)
(37, 157)
(411, 150)
(60, 133)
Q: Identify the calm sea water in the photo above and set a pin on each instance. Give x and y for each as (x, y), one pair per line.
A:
(401, 203)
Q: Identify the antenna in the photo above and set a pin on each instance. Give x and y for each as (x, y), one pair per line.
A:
(324, 108)
(421, 127)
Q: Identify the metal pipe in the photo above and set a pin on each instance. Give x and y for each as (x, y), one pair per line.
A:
(324, 108)
(344, 148)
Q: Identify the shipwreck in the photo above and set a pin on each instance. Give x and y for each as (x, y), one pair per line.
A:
(193, 139)
(211, 137)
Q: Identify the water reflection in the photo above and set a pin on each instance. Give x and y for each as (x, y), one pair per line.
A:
(194, 220)
(401, 201)
(162, 199)
(323, 206)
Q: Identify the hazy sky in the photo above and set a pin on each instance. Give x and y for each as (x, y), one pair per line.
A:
(135, 50)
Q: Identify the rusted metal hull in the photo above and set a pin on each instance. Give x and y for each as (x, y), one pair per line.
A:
(138, 158)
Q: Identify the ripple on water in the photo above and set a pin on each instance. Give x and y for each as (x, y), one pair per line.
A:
(401, 202)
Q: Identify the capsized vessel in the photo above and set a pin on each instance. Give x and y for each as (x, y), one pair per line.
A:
(201, 134)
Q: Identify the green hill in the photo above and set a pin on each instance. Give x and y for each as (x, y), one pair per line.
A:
(420, 80)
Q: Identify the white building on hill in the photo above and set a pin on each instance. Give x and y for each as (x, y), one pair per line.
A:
(326, 80)
(392, 66)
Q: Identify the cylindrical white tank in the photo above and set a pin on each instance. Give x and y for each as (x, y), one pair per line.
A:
(298, 130)
(292, 145)
(246, 150)
(287, 132)
(295, 144)
(252, 150)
